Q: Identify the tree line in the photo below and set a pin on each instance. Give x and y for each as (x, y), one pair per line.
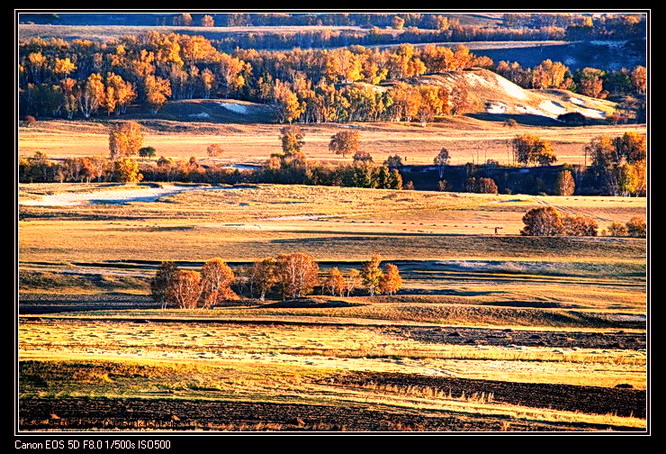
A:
(591, 82)
(286, 276)
(620, 22)
(83, 78)
(60, 78)
(618, 166)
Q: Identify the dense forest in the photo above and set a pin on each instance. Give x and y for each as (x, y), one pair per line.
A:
(82, 78)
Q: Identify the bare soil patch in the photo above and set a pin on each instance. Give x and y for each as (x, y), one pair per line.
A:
(164, 414)
(527, 338)
(587, 399)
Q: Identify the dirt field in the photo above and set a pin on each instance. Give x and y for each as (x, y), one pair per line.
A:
(157, 414)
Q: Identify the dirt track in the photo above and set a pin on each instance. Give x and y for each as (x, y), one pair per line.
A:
(162, 414)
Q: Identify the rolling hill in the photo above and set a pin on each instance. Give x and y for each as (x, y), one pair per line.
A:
(493, 97)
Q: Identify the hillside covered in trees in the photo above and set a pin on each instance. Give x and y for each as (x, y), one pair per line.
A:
(84, 78)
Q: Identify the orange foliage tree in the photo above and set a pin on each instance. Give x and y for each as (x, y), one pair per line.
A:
(216, 280)
(297, 274)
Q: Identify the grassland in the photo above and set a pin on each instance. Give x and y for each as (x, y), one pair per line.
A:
(467, 139)
(483, 319)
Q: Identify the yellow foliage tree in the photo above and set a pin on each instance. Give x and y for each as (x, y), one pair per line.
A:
(157, 92)
(125, 139)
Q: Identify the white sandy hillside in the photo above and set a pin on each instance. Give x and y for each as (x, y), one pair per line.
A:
(494, 94)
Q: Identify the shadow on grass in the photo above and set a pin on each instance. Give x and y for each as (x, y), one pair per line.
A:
(308, 303)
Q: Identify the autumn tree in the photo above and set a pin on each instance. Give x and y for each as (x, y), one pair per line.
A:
(441, 161)
(631, 146)
(371, 275)
(361, 157)
(125, 139)
(207, 81)
(184, 289)
(229, 71)
(352, 280)
(262, 276)
(549, 74)
(530, 149)
(216, 280)
(160, 282)
(542, 221)
(184, 19)
(393, 162)
(207, 21)
(344, 143)
(577, 225)
(590, 82)
(70, 104)
(287, 105)
(619, 163)
(486, 185)
(390, 281)
(617, 229)
(549, 221)
(637, 227)
(119, 94)
(297, 274)
(91, 95)
(157, 91)
(565, 184)
(291, 138)
(639, 79)
(335, 282)
(126, 170)
(214, 150)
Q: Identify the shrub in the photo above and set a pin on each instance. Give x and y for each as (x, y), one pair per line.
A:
(147, 152)
(636, 227)
(616, 229)
(542, 221)
(579, 226)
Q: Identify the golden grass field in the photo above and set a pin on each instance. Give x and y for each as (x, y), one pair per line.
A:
(549, 312)
(467, 139)
(491, 331)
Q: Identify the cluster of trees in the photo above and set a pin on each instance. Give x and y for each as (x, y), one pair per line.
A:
(531, 149)
(59, 78)
(341, 85)
(39, 169)
(380, 29)
(619, 164)
(587, 81)
(549, 221)
(287, 276)
(291, 166)
(636, 227)
(188, 289)
(579, 26)
(375, 36)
